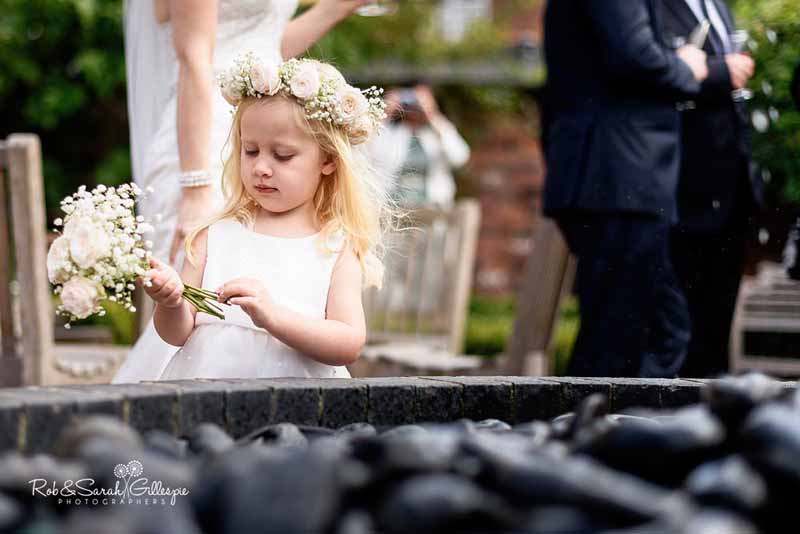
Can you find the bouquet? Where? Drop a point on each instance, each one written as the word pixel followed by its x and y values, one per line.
pixel 101 252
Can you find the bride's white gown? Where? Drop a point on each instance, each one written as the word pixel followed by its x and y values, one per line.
pixel 243 25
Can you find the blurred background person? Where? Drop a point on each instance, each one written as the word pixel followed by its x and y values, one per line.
pixel 613 160
pixel 419 149
pixel 717 193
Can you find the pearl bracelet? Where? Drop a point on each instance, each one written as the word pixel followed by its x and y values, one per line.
pixel 194 178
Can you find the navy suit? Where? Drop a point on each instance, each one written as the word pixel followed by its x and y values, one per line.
pixel 613 157
pixel 716 196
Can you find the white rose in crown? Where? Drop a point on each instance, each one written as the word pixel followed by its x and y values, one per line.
pixel 265 78
pixel 330 72
pixel 360 130
pixel 305 81
pixel 80 297
pixel 231 93
pixel 319 87
pixel 352 103
pixel 58 260
pixel 88 242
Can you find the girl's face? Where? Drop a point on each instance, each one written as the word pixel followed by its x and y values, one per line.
pixel 282 165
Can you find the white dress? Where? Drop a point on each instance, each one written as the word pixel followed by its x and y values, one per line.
pixel 297 274
pixel 242 25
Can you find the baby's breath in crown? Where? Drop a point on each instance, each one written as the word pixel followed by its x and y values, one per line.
pixel 319 87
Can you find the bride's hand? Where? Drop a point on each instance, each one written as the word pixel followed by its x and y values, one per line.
pixel 251 296
pixel 195 206
pixel 342 7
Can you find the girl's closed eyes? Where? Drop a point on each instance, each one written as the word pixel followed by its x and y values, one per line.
pixel 280 156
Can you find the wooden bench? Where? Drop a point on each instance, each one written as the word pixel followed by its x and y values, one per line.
pixel 547 280
pixel 29 354
pixel 765 334
pixel 418 318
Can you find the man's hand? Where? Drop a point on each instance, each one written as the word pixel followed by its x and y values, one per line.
pixel 695 59
pixel 741 67
pixel 196 205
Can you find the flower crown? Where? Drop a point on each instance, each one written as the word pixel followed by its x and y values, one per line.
pixel 318 87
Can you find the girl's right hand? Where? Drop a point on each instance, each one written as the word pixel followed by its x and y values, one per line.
pixel 166 287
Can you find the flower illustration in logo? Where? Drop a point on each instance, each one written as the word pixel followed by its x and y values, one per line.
pixel 133 469
pixel 127 472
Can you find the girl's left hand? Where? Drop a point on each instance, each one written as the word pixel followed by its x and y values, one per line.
pixel 251 296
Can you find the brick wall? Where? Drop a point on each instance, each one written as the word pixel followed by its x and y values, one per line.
pixel 526 20
pixel 506 174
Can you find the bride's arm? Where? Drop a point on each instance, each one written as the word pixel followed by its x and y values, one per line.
pixel 308 28
pixel 193 32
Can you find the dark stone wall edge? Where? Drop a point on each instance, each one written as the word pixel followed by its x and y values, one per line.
pixel 32 418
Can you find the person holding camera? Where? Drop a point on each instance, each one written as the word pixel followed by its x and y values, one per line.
pixel 419 149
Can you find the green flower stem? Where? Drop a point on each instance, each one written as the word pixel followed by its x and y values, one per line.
pixel 203 300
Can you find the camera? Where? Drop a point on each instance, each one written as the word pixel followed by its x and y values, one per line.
pixel 408 101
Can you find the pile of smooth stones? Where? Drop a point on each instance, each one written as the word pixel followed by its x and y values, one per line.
pixel 728 465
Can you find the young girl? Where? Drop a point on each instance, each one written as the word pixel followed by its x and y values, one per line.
pixel 297 238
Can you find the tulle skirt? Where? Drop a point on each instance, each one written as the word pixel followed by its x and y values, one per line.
pixel 219 350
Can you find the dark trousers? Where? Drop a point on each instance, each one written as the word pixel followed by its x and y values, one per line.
pixel 634 319
pixel 709 268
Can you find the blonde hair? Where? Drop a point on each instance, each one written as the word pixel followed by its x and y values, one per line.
pixel 350 200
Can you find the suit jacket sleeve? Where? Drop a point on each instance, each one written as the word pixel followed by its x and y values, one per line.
pixel 796 87
pixel 633 52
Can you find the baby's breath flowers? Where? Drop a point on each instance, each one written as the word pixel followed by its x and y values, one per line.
pixel 318 87
pixel 101 252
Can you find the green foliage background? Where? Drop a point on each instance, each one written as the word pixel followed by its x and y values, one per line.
pixel 774 26
pixel 62 76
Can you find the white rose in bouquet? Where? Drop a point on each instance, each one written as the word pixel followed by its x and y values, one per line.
pixel 102 253
pixel 88 243
pixel 80 297
pixel 58 260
